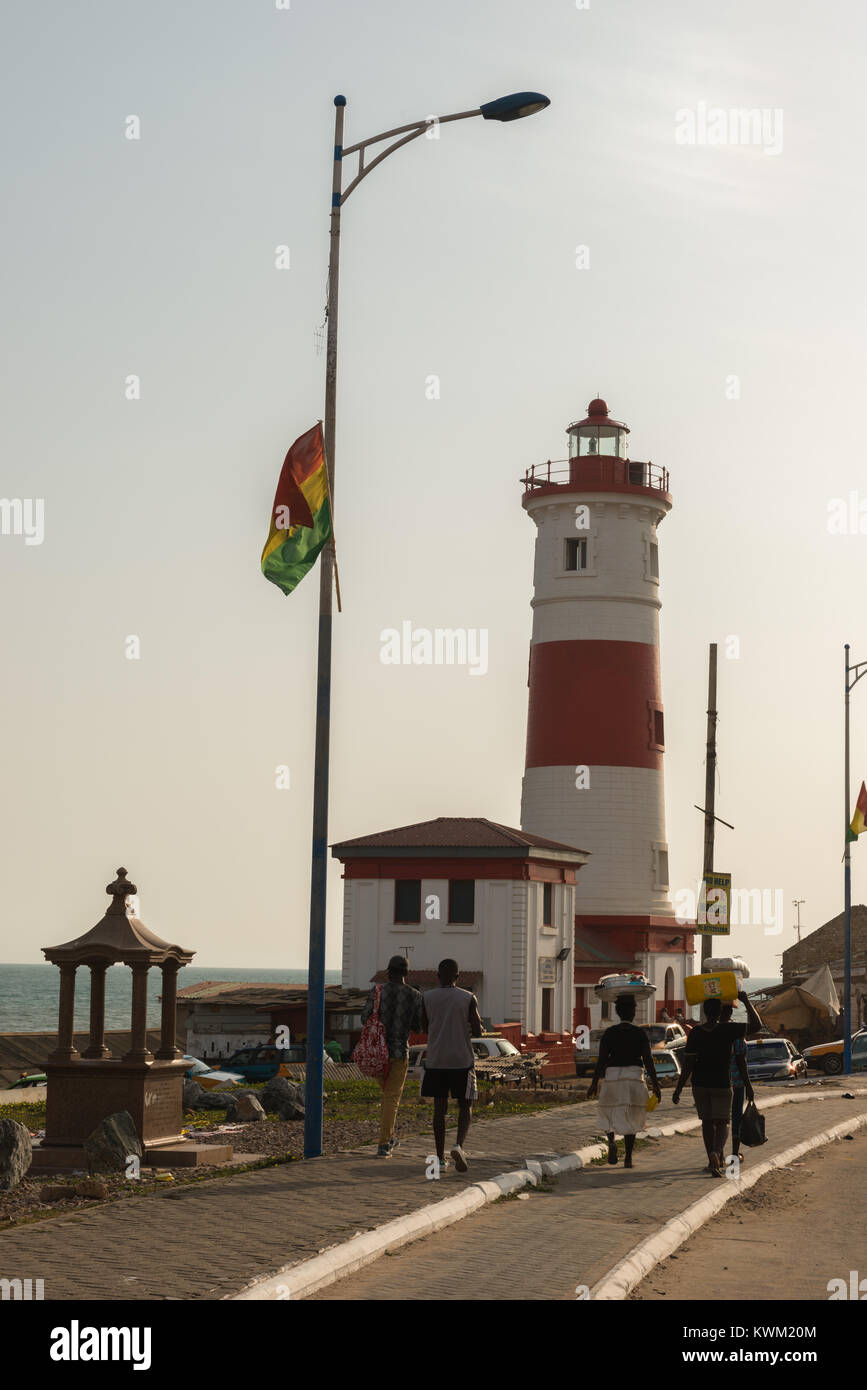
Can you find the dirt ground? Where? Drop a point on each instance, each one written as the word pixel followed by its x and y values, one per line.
pixel 786 1238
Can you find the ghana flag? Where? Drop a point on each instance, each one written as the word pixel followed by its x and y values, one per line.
pixel 301 515
pixel 859 820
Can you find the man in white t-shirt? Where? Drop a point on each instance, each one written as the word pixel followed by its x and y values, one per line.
pixel 451 1020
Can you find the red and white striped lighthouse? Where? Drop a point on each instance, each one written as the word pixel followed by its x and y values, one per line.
pixel 595 730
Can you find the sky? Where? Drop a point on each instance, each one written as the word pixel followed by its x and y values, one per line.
pixel 626 242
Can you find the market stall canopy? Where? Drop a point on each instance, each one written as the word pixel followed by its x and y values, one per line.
pixel 796 1008
pixel 821 984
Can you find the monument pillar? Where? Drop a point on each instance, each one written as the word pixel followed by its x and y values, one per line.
pixel 167 1049
pixel 139 1050
pixel 96 1046
pixel 65 1050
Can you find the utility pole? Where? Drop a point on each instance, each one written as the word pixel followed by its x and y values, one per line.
pixel 796 904
pixel 709 785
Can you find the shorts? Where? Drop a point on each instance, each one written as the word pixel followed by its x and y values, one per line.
pixel 713 1102
pixel 440 1082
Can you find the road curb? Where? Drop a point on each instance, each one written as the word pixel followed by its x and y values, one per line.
pixel 309 1276
pixel 629 1272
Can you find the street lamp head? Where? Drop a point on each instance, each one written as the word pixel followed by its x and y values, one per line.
pixel 514 107
pixel 340 101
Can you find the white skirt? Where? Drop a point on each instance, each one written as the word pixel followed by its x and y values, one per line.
pixel 622 1100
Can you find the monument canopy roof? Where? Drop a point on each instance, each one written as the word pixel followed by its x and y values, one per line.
pixel 118 937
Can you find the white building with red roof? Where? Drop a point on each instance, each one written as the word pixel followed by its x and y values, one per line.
pixel 499 901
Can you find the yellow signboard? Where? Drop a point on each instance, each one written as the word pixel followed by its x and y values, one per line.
pixel 714 909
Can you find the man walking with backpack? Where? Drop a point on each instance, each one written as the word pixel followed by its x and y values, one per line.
pixel 451 1020
pixel 399 1008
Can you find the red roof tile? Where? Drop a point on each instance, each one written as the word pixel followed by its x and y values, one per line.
pixel 453 832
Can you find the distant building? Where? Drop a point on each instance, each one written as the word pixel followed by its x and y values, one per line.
pixel 826 945
pixel 215 1018
pixel 500 901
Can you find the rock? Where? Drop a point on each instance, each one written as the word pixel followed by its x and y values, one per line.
pixel 284 1097
pixel 244 1108
pixel 193 1092
pixel 197 1098
pixel 212 1100
pixel 112 1143
pixel 92 1188
pixel 16 1152
pixel 56 1192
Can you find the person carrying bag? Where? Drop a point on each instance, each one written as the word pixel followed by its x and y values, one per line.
pixel 371 1050
pixel 753 1127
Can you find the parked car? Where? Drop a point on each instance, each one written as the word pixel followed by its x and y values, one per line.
pixel 669 1035
pixel 493 1048
pixel 264 1061
pixel 666 1062
pixel 774 1059
pixel 210 1078
pixel 587 1057
pixel 828 1056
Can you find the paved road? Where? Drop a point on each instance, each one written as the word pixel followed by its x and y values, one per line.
pixel 210 1240
pixel 754 1250
pixel 214 1238
pixel 545 1247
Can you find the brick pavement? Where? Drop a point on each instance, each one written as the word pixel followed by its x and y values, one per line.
pixel 209 1240
pixel 571 1234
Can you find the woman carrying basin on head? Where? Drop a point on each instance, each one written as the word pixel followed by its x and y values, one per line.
pixel 624 1057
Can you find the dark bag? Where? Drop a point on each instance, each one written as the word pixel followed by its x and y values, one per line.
pixel 753 1127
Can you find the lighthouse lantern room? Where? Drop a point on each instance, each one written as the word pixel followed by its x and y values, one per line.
pixel 595 729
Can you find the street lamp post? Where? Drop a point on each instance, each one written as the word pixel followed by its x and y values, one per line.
pixel 856 672
pixel 508 108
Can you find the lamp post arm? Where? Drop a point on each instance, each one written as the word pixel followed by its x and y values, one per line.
pixel 415 129
pixel 859 669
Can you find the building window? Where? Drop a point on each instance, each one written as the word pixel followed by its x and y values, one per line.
pixel 576 553
pixel 660 865
pixel 547 1009
pixel 462 900
pixel 407 900
pixel 655 728
pixel 654 560
pixel 547 896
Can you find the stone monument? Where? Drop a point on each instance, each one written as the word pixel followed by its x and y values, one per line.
pixel 84 1088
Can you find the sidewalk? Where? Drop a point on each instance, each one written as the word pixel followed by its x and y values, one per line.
pixel 206 1241
pixel 570 1235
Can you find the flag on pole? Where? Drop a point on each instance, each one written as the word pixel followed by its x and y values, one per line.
pixel 301 514
pixel 859 820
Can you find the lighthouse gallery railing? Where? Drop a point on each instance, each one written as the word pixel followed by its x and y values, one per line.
pixel 595 471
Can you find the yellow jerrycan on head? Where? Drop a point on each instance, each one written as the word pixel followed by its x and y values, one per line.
pixel 719 984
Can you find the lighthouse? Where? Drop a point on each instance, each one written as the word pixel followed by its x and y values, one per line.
pixel 596 726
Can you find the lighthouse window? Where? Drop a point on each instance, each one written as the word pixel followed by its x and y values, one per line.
pixel 662 867
pixel 407 900
pixel 462 900
pixel 658 728
pixel 654 560
pixel 576 553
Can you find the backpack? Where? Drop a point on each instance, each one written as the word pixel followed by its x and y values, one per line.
pixel 371 1050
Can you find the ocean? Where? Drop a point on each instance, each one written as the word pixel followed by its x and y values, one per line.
pixel 29 993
